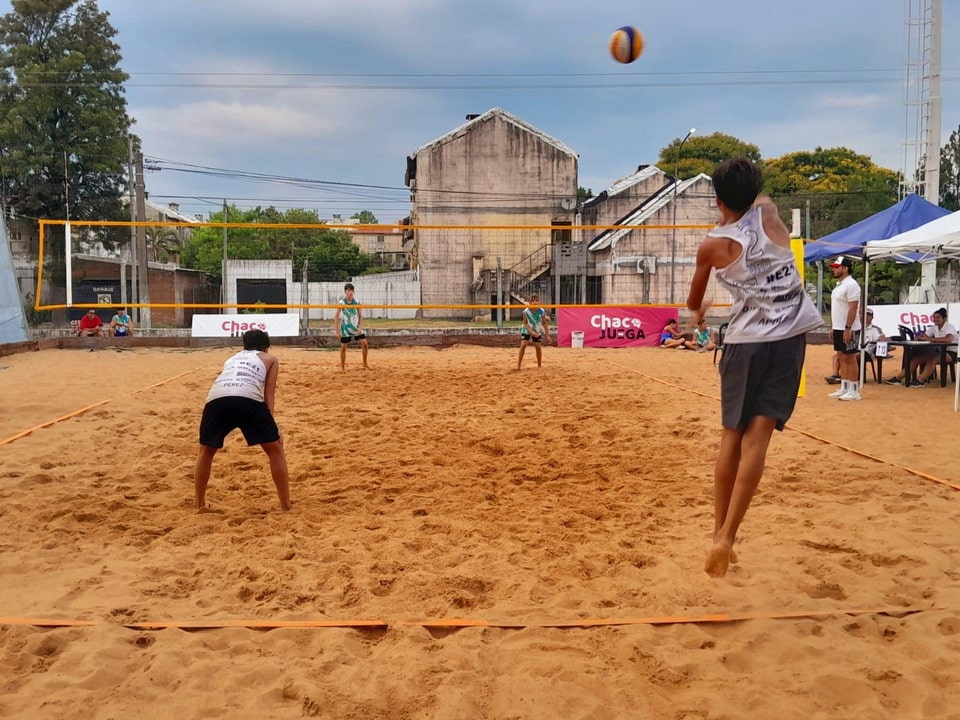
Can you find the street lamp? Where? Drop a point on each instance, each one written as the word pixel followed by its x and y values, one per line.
pixel 673 241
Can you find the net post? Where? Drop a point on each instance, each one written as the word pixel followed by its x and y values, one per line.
pixel 68 253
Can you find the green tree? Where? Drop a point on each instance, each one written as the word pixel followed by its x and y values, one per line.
pixel 950 172
pixel 204 249
pixel 63 116
pixel 330 254
pixel 163 244
pixel 842 186
pixel 583 194
pixel 365 217
pixel 702 154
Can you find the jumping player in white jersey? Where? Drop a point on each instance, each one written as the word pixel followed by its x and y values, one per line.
pixel 242 397
pixel 764 345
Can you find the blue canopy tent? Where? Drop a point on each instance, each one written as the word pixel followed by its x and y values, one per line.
pixel 911 212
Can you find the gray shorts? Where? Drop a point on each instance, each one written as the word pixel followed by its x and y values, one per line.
pixel 760 379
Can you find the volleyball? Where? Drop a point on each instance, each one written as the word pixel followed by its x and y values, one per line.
pixel 626 44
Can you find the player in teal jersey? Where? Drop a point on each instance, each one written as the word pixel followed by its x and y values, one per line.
pixel 535 329
pixel 348 321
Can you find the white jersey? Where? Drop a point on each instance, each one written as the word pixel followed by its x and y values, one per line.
pixel 844 294
pixel 243 375
pixel 768 299
pixel 932 331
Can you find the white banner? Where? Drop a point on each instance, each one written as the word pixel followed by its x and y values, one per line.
pixel 275 325
pixel 889 317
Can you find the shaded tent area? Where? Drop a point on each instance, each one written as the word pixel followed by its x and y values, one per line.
pixel 908 214
pixel 937 240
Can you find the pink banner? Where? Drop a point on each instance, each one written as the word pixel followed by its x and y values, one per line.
pixel 613 326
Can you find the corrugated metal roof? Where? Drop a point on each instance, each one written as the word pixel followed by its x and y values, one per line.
pixel 501 113
pixel 647 209
pixel 172 214
pixel 640 175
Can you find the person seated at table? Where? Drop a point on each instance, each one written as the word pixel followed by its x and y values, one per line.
pixel 871 334
pixel 925 363
pixel 91 325
pixel 671 337
pixel 704 338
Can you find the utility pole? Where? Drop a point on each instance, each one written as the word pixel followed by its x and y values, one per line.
pixel 673 237
pixel 141 243
pixel 931 184
pixel 131 201
pixel 223 263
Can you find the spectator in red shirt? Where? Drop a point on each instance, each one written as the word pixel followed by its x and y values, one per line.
pixel 91 325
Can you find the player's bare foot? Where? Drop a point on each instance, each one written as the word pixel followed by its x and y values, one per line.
pixel 206 509
pixel 718 560
pixel 733 553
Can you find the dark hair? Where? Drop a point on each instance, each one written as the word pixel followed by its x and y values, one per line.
pixel 256 340
pixel 737 182
pixel 348 286
pixel 942 312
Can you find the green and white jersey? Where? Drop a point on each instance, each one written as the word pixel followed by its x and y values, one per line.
pixel 349 317
pixel 534 319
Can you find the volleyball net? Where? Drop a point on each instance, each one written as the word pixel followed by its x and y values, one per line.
pixel 399 271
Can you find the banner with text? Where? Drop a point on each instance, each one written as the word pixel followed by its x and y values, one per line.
pixel 275 325
pixel 613 326
pixel 916 316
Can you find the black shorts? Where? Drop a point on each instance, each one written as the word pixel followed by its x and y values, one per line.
pixel 344 339
pixel 224 414
pixel 847 348
pixel 528 338
pixel 760 379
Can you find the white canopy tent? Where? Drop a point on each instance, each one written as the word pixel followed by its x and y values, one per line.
pixel 937 240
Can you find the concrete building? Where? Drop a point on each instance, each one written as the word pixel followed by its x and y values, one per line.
pixel 495 171
pixel 628 264
pixel 384 242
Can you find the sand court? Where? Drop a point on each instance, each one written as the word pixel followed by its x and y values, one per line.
pixel 440 487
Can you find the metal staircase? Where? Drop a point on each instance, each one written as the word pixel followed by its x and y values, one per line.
pixel 531 275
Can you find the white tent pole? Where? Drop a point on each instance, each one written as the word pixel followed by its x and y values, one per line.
pixel 956 390
pixel 69 262
pixel 862 312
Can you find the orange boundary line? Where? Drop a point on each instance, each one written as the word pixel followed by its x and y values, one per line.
pixel 918 473
pixel 52 422
pixel 861 453
pixel 458 623
pixel 82 410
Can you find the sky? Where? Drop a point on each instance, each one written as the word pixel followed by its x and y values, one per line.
pixel 337 93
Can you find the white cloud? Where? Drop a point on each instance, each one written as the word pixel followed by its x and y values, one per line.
pixel 857 102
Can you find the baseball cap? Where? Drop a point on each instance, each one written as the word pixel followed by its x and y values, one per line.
pixel 843 261
pixel 869 311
